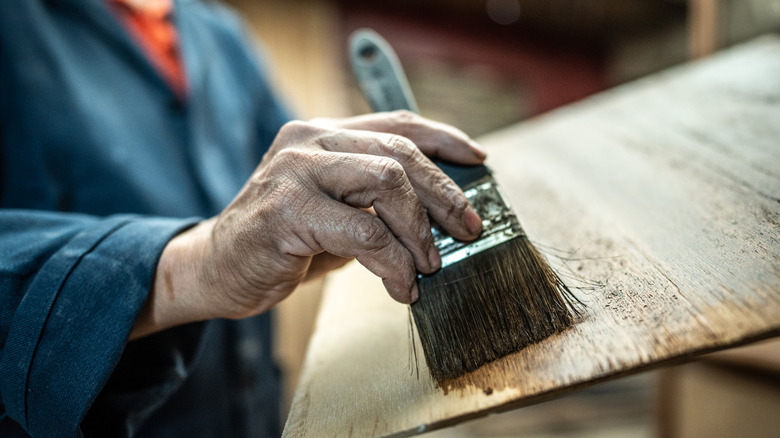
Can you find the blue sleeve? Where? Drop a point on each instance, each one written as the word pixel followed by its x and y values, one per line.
pixel 250 62
pixel 71 287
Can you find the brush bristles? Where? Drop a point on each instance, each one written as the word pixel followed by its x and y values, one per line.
pixel 487 306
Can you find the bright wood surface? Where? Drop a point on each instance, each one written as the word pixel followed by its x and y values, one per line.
pixel 659 200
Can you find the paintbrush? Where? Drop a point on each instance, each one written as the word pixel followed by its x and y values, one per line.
pixel 493 296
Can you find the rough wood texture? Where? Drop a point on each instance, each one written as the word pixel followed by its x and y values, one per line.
pixel 662 201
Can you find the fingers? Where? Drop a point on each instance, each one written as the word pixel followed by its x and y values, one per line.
pixel 444 200
pixel 344 231
pixel 341 174
pixel 434 139
pixel 365 181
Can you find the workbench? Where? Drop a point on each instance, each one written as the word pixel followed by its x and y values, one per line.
pixel 658 202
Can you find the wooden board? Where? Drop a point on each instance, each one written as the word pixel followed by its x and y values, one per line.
pixel 658 200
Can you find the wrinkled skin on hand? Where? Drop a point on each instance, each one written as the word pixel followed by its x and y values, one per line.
pixel 327 191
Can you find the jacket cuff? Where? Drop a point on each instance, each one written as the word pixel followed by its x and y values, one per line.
pixel 71 327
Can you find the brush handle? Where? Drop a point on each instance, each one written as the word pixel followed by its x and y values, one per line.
pixel 384 85
pixel 379 73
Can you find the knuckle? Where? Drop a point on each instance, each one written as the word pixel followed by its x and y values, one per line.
pixel 371 233
pixel 404 117
pixel 390 175
pixel 291 128
pixel 401 148
pixel 291 164
pixel 290 155
pixel 300 162
pixel 295 126
pixel 297 129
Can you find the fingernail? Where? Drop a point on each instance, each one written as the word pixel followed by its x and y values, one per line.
pixel 472 220
pixel 415 292
pixel 434 259
pixel 478 150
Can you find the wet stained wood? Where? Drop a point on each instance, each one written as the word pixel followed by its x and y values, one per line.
pixel 659 201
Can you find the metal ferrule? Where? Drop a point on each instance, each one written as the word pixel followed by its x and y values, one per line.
pixel 499 223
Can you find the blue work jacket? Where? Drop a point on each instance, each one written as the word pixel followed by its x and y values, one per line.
pixel 101 163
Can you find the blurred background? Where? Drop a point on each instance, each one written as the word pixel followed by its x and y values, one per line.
pixel 485 64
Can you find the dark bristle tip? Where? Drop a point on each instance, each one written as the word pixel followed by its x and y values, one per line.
pixel 487 306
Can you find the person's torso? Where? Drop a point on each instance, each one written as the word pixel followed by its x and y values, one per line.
pixel 89 125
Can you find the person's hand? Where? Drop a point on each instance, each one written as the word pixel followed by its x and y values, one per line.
pixel 326 191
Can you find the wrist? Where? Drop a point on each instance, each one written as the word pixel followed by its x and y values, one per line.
pixel 177 295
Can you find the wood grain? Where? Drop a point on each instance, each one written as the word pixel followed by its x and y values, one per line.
pixel 659 201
